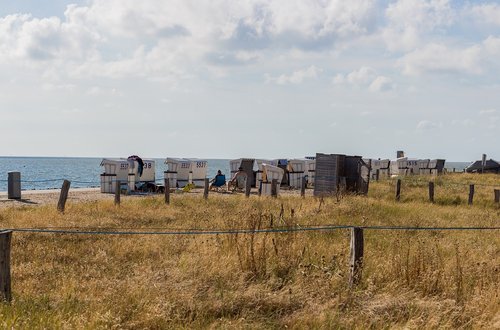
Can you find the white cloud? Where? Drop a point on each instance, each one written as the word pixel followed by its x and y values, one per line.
pixel 365 77
pixel 488 112
pixel 487 13
pixel 440 58
pixel 409 21
pixel 296 77
pixel 491 46
pixel 467 122
pixel 176 38
pixel 381 84
pixel 338 79
pixel 209 58
pixel 426 125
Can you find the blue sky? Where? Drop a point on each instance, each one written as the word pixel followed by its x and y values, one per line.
pixel 250 78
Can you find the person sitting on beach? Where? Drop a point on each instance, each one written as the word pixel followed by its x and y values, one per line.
pixel 239 180
pixel 218 181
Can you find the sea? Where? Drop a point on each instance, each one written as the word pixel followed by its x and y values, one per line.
pixel 49 172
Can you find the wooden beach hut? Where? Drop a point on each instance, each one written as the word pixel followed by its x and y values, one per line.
pixel 132 173
pixel 183 171
pixel 335 172
pixel 490 166
pixel 248 167
pixel 270 173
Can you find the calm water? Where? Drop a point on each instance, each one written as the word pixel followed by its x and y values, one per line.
pixel 49 172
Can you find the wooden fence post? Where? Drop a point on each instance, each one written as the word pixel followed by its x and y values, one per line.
pixel 343 185
pixel 274 188
pixel 471 194
pixel 377 175
pixel 14 185
pixel 118 191
pixel 356 261
pixel 398 190
pixel 497 195
pixel 431 192
pixel 167 191
pixel 303 187
pixel 248 188
pixel 207 185
pixel 5 287
pixel 63 196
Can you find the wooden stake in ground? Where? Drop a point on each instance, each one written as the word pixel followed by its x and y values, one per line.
pixel 118 191
pixel 63 196
pixel 207 185
pixel 497 195
pixel 274 188
pixel 471 194
pixel 377 175
pixel 356 261
pixel 303 187
pixel 167 191
pixel 5 287
pixel 14 185
pixel 431 192
pixel 398 190
pixel 248 188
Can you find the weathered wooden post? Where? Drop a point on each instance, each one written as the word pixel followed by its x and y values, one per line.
pixel 5 287
pixel 356 261
pixel 14 185
pixel 497 195
pixel 248 188
pixel 167 191
pixel 303 187
pixel 207 185
pixel 471 194
pixel 63 196
pixel 377 174
pixel 118 191
pixel 343 185
pixel 274 188
pixel 431 192
pixel 398 190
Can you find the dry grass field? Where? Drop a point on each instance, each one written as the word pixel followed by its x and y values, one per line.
pixel 411 279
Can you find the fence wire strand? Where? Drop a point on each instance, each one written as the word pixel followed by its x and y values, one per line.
pixel 147 231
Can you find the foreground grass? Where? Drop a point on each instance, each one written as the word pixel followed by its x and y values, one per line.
pixel 429 279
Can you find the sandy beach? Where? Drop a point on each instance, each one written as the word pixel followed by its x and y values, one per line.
pixel 78 195
pixel 51 196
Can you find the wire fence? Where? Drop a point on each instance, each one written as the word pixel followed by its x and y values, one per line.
pixel 211 232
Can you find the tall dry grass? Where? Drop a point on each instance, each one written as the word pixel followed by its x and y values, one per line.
pixel 427 279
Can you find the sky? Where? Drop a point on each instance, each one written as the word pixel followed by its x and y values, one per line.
pixel 250 78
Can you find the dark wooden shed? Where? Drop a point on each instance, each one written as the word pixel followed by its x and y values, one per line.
pixel 336 170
